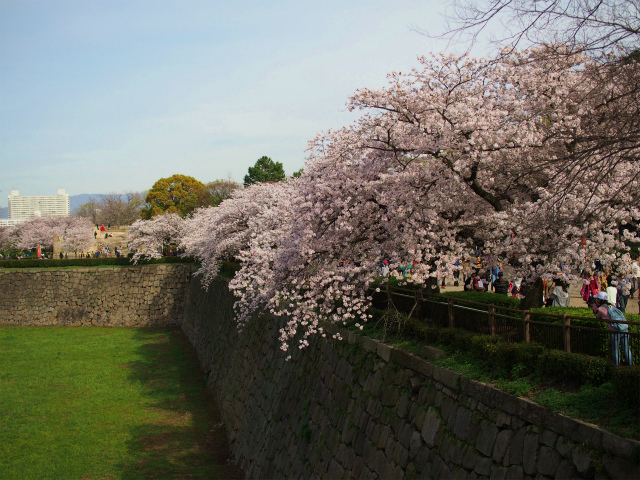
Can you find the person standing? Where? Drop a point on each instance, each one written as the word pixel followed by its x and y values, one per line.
pixel 619 339
pixel 501 285
pixel 635 277
pixel 560 295
pixel 624 292
pixel 612 290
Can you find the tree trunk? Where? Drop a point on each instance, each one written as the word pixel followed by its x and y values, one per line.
pixel 533 294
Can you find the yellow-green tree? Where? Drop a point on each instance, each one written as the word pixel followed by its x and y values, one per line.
pixel 179 194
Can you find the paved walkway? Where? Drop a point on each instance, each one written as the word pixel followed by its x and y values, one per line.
pixel 574 292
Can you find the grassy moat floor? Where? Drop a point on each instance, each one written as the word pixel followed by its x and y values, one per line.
pixel 106 403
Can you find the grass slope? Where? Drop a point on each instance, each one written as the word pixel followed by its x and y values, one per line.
pixel 106 403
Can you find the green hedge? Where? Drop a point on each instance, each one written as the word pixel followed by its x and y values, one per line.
pixel 563 366
pixel 587 342
pixel 88 262
pixel 626 382
pixel 496 299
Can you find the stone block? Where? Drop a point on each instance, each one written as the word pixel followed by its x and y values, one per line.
pixel 457 452
pixel 422 459
pixel 621 447
pixel 432 429
pixel 516 447
pixel 582 461
pixel 461 424
pixel 431 353
pixel 385 432
pixel 403 405
pixel 566 470
pixel 547 437
pixel 486 438
pixel 415 444
pixel 564 447
pixel 406 435
pixel 384 351
pixel 498 472
pixel 445 448
pixel 469 458
pixel 368 344
pixel 441 470
pixel 483 466
pixel 503 441
pixel 447 377
pixel 622 469
pixel 418 419
pixel 515 472
pixel 530 453
pixel 580 432
pixel 548 461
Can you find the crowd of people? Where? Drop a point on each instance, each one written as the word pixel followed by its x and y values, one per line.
pixel 618 287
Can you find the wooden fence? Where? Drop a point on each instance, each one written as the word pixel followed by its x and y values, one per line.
pixel 570 333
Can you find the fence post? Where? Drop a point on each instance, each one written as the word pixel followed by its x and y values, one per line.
pixel 526 317
pixel 566 330
pixel 418 305
pixel 452 320
pixel 492 320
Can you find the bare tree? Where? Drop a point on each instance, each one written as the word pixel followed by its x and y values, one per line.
pixel 90 210
pixel 221 189
pixel 112 208
pixel 589 26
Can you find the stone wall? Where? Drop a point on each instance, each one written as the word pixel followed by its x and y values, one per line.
pixel 360 409
pixel 340 409
pixel 151 295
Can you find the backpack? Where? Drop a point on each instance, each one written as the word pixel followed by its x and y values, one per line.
pixel 617 316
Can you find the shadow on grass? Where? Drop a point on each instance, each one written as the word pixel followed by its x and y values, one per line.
pixel 182 436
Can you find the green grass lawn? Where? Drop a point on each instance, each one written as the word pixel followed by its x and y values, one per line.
pixel 99 403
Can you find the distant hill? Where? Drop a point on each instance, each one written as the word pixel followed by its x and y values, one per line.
pixel 4 212
pixel 76 200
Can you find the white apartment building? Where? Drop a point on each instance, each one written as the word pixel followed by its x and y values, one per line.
pixel 23 208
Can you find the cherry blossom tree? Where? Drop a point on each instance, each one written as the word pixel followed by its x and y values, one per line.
pixel 7 241
pixel 41 230
pixel 219 233
pixel 504 153
pixel 148 237
pixel 77 236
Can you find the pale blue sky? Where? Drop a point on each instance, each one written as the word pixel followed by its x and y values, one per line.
pixel 110 96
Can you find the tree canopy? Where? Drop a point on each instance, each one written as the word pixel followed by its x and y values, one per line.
pixel 179 194
pixel 265 170
pixel 498 152
pixel 220 190
pixel 531 155
pixel 112 208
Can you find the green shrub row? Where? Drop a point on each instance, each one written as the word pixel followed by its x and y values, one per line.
pixel 88 262
pixel 574 311
pixel 535 358
pixel 626 384
pixel 496 299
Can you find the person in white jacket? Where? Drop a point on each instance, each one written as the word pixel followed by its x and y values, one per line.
pixel 612 291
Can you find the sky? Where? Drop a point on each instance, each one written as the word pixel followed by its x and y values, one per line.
pixel 110 96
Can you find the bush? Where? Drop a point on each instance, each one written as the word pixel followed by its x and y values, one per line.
pixel 571 367
pixel 626 384
pixel 587 342
pixel 87 262
pixel 496 299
